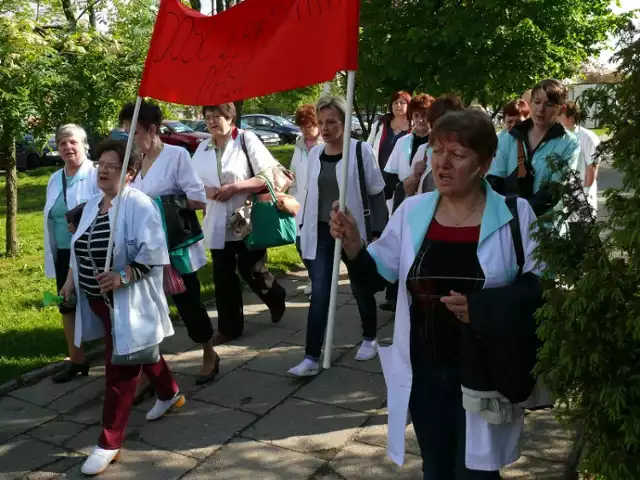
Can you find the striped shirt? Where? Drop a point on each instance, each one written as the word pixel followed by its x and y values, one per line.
pixel 98 248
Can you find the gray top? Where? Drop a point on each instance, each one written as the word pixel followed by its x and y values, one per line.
pixel 328 190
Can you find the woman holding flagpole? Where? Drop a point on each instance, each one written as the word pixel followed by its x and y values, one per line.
pixel 166 172
pixel 364 184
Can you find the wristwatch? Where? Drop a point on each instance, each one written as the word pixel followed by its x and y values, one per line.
pixel 124 277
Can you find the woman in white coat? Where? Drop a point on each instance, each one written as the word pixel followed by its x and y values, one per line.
pixel 323 188
pixel 464 280
pixel 228 165
pixel 126 305
pixel 166 170
pixel 308 123
pixel 67 188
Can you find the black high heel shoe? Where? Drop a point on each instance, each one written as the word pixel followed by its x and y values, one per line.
pixel 71 371
pixel 202 379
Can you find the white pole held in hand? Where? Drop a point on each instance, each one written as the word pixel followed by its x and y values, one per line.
pixel 328 343
pixel 123 176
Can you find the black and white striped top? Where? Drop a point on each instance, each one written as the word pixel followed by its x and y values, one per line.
pixel 98 248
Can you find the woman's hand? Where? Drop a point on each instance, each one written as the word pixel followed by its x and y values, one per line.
pixel 343 226
pixel 225 192
pixel 68 290
pixel 109 281
pixel 419 168
pixel 457 303
pixel 211 192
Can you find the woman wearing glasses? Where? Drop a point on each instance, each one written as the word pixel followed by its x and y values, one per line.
pixel 456 262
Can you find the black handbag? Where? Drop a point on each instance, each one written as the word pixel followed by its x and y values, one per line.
pixel 181 222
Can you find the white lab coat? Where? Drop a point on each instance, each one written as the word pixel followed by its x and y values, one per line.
pixel 172 173
pixel 140 315
pixel 420 155
pixel 235 168
pixel 83 187
pixel 374 185
pixel 375 136
pixel 589 142
pixel 299 167
pixel 488 447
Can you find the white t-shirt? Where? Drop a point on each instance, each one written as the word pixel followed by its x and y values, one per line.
pixel 589 142
pixel 172 173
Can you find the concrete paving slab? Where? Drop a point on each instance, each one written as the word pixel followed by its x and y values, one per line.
pixel 346 388
pixel 281 358
pixel 344 336
pixel 22 455
pixel 307 427
pixel 45 391
pixel 358 461
pixel 56 470
pixel 247 390
pixel 187 385
pixel 56 431
pixel 348 360
pixel 260 337
pixel 244 459
pixel 143 462
pixel 78 396
pixel 18 416
pixel 374 432
pixel 295 316
pixel 534 468
pixel 544 437
pixel 84 441
pixel 179 342
pixel 385 333
pixel 198 429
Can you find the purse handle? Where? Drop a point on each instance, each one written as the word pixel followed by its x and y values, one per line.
pixel 269 187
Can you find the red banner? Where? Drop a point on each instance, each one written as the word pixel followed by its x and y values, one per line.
pixel 256 48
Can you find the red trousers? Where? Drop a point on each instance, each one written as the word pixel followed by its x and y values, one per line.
pixel 121 383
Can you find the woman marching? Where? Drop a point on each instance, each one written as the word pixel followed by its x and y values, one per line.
pixel 308 123
pixel 468 290
pixel 125 305
pixel 166 173
pixel 364 195
pixel 67 188
pixel 228 166
pixel 390 128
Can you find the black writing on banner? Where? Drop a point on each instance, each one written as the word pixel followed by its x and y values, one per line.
pixel 215 54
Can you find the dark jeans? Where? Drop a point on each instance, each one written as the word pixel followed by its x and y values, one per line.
pixel 192 311
pixel 391 294
pixel 320 271
pixel 252 269
pixel 439 421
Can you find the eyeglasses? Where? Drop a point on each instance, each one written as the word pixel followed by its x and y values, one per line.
pixel 107 167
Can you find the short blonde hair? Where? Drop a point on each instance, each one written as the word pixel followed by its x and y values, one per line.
pixel 72 130
pixel 336 103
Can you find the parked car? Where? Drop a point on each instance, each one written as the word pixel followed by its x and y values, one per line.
pixel 177 133
pixel 27 156
pixel 356 127
pixel 288 132
pixel 270 139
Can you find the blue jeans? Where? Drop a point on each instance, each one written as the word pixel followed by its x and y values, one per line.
pixel 440 425
pixel 320 271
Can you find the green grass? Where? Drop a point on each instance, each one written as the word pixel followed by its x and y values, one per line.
pixel 600 131
pixel 31 335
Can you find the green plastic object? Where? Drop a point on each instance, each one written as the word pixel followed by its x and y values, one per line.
pixel 52 300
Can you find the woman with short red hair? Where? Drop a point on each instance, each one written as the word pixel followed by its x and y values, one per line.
pixel 306 120
pixel 392 126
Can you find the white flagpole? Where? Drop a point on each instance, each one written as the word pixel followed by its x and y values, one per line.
pixel 328 343
pixel 123 176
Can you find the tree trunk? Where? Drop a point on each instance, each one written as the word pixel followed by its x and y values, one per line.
pixel 69 13
pixel 92 14
pixel 12 198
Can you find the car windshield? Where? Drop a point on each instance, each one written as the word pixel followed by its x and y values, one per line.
pixel 283 122
pixel 244 125
pixel 179 127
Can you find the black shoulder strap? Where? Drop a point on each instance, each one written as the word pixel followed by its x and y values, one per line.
pixel 243 142
pixel 64 186
pixel 514 224
pixel 366 207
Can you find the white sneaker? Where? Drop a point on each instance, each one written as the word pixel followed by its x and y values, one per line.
pixel 99 460
pixel 306 368
pixel 162 407
pixel 368 350
pixel 307 288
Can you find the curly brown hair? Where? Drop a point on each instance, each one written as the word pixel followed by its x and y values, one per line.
pixel 420 102
pixel 306 115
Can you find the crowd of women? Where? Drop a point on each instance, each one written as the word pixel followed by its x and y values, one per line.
pixel 439 213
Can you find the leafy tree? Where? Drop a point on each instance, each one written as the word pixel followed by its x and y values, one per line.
pixel 283 103
pixel 590 322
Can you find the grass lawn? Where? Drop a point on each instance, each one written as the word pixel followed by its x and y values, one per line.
pixel 31 335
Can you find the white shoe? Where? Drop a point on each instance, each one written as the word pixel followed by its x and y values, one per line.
pixel 306 368
pixel 368 350
pixel 307 288
pixel 99 460
pixel 162 407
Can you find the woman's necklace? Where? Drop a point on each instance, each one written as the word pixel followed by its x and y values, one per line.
pixel 459 224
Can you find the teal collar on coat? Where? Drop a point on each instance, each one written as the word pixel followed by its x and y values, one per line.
pixel 496 214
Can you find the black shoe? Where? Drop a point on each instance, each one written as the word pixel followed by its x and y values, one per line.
pixel 71 371
pixel 202 379
pixel 388 306
pixel 278 313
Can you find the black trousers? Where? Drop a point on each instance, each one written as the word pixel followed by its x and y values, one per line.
pixel 251 265
pixel 192 311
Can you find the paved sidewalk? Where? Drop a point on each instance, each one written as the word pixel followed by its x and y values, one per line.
pixel 253 422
